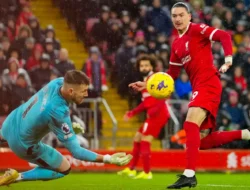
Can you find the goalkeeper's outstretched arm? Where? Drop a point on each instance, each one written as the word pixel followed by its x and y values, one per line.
pixel 83 154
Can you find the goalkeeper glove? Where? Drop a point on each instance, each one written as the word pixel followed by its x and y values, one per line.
pixel 119 159
pixel 77 128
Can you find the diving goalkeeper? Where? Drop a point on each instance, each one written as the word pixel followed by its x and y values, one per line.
pixel 48 110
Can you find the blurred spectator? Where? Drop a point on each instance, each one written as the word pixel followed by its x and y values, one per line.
pixel 158 20
pixel 198 6
pixel 161 39
pixel 218 53
pixel 247 68
pixel 183 86
pixel 114 17
pixel 164 55
pixel 217 23
pixel 133 28
pixel 142 17
pixel 2 32
pixel 228 20
pixel 246 110
pixel 28 48
pixel 49 49
pixel 24 32
pixel 4 100
pixel 123 55
pixel 10 74
pixel 240 57
pixel 3 61
pixel 40 75
pixel 99 32
pixel 24 16
pixel 225 83
pixel 114 38
pixel 95 69
pixel 239 80
pixel 6 45
pixel 35 28
pixel 234 108
pixel 20 92
pixel 208 15
pixel 125 18
pixel 218 8
pixel 247 18
pixel 11 28
pixel 16 53
pixel 50 33
pixel 159 65
pixel 225 121
pixel 240 29
pixel 140 38
pixel 246 41
pixel 239 10
pixel 63 64
pixel 152 46
pixel 34 59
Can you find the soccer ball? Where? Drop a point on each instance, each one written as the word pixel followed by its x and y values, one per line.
pixel 160 85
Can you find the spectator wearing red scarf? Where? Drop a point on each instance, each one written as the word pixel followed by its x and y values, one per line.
pixel 96 71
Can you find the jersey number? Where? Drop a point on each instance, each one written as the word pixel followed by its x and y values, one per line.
pixel 30 106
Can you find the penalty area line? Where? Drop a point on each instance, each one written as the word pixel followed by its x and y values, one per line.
pixel 230 186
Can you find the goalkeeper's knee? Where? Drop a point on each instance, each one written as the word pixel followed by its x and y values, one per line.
pixel 66 172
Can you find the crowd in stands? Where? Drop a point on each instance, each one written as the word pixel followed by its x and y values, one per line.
pixel 117 33
pixel 124 30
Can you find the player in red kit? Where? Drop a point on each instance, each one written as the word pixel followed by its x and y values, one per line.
pixel 192 50
pixel 157 117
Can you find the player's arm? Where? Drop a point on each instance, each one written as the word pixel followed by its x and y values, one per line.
pixel 60 124
pixel 221 36
pixel 175 65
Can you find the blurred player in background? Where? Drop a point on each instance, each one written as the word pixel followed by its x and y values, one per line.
pixel 157 117
pixel 48 110
pixel 192 50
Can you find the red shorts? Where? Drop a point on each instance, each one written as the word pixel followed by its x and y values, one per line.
pixel 208 96
pixel 153 126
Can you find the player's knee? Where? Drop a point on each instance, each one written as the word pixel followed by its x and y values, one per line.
pixel 66 172
pixel 196 115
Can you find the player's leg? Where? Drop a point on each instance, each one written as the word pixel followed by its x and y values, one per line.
pixel 146 141
pixel 51 165
pixel 130 171
pixel 218 138
pixel 195 118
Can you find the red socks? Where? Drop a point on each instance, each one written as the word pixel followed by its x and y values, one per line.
pixel 146 153
pixel 219 138
pixel 136 155
pixel 192 144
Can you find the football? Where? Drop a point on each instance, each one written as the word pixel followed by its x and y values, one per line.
pixel 160 85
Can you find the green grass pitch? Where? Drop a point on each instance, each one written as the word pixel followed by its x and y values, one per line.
pixel 110 181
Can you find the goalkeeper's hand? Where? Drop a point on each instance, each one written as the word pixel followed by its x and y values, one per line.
pixel 77 128
pixel 119 159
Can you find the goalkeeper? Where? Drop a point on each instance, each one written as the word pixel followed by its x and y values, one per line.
pixel 48 110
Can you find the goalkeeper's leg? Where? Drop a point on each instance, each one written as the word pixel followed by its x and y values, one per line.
pixel 51 165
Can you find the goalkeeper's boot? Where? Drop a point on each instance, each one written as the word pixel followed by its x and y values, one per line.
pixel 183 181
pixel 144 175
pixel 9 177
pixel 127 172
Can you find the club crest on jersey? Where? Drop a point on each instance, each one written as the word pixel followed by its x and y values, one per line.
pixel 161 85
pixel 65 128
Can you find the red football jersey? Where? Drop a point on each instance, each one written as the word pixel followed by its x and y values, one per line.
pixel 192 50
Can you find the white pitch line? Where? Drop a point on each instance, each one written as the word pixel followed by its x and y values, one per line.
pixel 216 185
